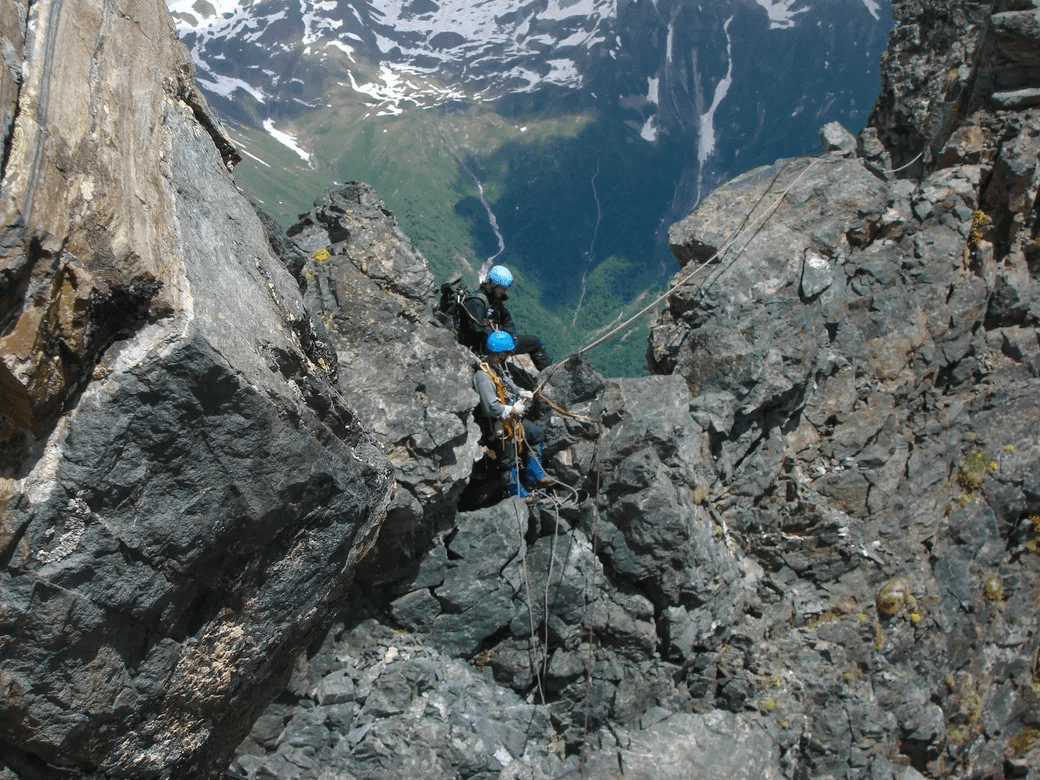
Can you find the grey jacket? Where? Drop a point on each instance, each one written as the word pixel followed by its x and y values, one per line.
pixel 485 386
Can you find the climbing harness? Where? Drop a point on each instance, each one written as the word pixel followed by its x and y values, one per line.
pixel 512 429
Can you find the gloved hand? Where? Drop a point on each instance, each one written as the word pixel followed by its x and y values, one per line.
pixel 527 395
pixel 517 409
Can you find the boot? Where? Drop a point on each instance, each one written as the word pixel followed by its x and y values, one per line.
pixel 535 472
pixel 514 486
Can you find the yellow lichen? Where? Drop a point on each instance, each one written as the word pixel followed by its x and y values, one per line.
pixel 1024 740
pixel 879 637
pixel 1033 544
pixel 852 674
pixel 979 220
pixel 321 255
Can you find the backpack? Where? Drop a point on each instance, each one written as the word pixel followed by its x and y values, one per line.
pixel 451 310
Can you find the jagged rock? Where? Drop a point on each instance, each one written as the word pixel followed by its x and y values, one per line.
pixel 184 492
pixel 1011 193
pixel 718 744
pixel 411 711
pixel 835 138
pixel 1017 36
pixel 864 385
pixel 404 374
pixel 932 75
pixel 848 397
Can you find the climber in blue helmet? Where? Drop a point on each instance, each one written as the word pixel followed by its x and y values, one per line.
pixel 517 443
pixel 488 313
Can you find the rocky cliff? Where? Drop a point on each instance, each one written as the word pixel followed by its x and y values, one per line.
pixel 183 489
pixel 805 547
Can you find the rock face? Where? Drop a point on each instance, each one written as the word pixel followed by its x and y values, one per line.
pixel 183 489
pixel 808 546
pixel 406 376
pixel 865 351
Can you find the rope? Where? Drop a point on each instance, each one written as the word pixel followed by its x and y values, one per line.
pixel 568 413
pixel 536 667
pixel 591 658
pixel 688 276
pixel 903 167
pixel 540 645
pixel 548 585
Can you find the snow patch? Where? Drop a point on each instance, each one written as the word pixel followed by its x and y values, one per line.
pixel 348 50
pixel 649 130
pixel 652 94
pixel 392 88
pixel 226 86
pixel 874 7
pixel 187 7
pixel 706 139
pixel 254 157
pixel 285 139
pixel 563 72
pixel 781 13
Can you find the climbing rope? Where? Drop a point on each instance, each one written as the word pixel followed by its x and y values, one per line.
pixel 536 664
pixel 760 220
pixel 590 660
pixel 545 595
pixel 904 167
pixel 567 412
pixel 540 644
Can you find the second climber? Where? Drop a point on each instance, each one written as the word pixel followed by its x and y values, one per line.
pixel 487 313
pixel 517 444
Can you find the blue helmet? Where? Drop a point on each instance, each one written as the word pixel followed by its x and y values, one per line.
pixel 500 341
pixel 500 276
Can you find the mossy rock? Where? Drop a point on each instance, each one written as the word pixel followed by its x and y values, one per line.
pixel 892 596
pixel 993 587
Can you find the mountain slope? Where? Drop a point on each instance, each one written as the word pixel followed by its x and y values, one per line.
pixel 555 137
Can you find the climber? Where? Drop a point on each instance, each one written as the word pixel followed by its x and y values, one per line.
pixel 502 405
pixel 488 314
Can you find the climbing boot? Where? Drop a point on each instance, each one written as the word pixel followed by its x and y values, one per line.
pixel 535 472
pixel 514 486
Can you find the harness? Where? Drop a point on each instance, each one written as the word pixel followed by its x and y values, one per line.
pixel 485 306
pixel 512 428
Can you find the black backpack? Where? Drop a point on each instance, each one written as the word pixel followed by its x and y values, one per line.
pixel 452 312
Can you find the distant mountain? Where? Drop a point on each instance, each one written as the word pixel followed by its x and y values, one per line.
pixel 561 138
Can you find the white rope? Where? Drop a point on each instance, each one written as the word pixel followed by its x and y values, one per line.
pixel 536 666
pixel 903 167
pixel 591 659
pixel 687 276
